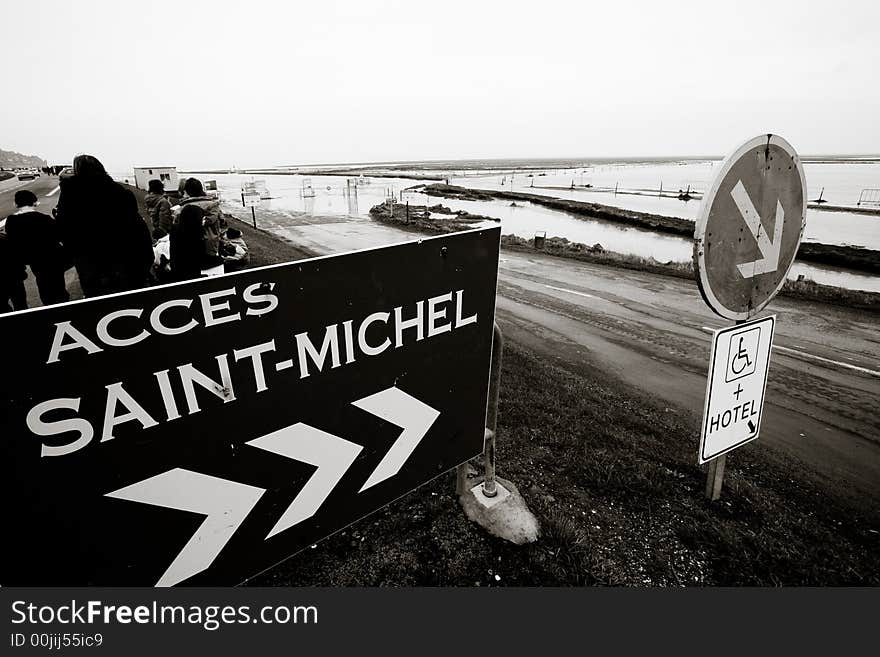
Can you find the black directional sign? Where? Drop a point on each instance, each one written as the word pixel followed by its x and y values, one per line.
pixel 750 226
pixel 199 433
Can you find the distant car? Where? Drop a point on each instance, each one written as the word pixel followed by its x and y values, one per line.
pixel 66 172
pixel 26 175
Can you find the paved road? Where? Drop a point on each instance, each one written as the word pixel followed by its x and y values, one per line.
pixel 46 189
pixel 653 332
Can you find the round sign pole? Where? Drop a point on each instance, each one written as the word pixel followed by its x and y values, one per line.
pixel 746 238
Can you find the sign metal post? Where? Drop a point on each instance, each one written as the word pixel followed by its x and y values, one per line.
pixel 747 235
pixel 251 200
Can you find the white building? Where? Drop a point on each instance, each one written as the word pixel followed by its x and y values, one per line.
pixel 168 176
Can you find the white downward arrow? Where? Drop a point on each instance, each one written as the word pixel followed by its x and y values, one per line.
pixel 224 503
pixel 407 412
pixel 769 248
pixel 332 456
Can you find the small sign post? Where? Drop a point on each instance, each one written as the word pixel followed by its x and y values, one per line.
pixel 251 200
pixel 746 238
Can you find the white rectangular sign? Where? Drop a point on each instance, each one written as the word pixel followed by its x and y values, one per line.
pixel 251 200
pixel 738 366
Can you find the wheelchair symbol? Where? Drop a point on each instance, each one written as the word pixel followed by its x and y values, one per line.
pixel 740 360
pixel 742 354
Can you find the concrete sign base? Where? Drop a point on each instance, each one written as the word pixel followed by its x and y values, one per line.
pixel 506 515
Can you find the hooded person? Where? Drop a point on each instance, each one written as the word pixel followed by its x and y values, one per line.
pixel 214 223
pixel 103 231
pixel 35 239
pixel 159 209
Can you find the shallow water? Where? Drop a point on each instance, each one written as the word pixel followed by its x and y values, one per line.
pixel 355 200
pixel 841 228
pixel 526 219
pixel 331 195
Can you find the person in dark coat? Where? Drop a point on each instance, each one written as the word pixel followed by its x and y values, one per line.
pixel 188 257
pixel 34 237
pixel 103 231
pixel 159 209
pixel 214 223
pixel 12 275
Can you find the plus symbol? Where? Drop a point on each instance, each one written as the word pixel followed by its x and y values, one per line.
pixel 738 392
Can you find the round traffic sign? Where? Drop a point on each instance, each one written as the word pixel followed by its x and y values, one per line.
pixel 750 226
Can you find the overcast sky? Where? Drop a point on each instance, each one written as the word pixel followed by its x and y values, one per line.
pixel 216 84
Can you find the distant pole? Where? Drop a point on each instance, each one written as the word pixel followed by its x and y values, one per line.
pixel 660 195
pixel 615 188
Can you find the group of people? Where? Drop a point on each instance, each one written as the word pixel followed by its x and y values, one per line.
pixel 98 229
pixel 192 236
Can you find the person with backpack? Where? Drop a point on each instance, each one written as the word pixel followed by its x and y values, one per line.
pixel 34 238
pixel 214 223
pixel 159 209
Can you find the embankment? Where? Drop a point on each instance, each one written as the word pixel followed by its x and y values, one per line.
pixel 440 219
pixel 807 290
pixel 848 257
pixel 655 222
pixel 426 219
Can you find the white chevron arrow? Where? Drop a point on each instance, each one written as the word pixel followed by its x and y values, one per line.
pixel 331 455
pixel 407 412
pixel 224 503
pixel 769 261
